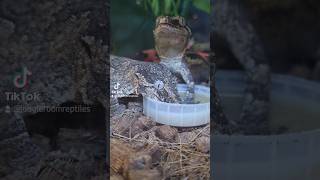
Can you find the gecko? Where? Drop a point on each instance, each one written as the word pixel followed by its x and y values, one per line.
pixel 172 35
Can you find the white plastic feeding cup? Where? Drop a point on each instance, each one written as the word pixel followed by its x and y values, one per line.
pixel 180 115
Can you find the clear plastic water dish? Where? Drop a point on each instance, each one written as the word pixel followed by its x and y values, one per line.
pixel 180 115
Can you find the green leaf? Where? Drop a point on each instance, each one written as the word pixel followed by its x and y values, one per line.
pixel 167 7
pixel 155 7
pixel 203 5
pixel 175 5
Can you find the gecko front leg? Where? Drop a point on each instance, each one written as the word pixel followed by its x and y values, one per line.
pixel 179 66
pixel 187 77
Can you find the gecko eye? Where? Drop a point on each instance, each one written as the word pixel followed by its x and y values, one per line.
pixel 159 85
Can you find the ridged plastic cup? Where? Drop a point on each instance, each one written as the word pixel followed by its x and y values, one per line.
pixel 290 156
pixel 179 115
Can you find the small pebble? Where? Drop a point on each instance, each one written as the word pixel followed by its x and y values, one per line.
pixel 203 144
pixel 167 133
pixel 140 161
pixel 143 123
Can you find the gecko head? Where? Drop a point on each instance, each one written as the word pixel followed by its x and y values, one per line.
pixel 160 84
pixel 171 36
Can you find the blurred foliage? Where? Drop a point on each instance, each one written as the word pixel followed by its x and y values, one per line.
pixel 203 5
pixel 269 4
pixel 131 28
pixel 173 7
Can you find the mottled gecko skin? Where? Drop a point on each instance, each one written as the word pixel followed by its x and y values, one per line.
pixel 171 36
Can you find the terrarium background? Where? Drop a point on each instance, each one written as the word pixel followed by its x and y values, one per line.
pixel 132 25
